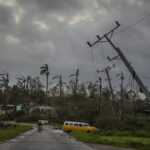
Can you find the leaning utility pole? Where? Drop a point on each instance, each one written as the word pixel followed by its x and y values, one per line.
pixel 121 85
pixel 117 49
pixel 110 86
pixel 100 93
pixel 108 77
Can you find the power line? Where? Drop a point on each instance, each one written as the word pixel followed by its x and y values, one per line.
pixel 148 78
pixel 130 26
pixel 93 63
pixel 102 52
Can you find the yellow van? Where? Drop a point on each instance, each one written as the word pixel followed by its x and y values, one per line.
pixel 78 126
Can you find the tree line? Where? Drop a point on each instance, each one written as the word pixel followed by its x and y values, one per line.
pixel 76 101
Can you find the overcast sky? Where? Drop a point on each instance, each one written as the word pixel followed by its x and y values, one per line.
pixel 55 32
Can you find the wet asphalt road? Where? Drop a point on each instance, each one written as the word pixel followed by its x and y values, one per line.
pixel 48 139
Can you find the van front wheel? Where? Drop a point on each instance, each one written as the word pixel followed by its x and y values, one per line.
pixel 88 131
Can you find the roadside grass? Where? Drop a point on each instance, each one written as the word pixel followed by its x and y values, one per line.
pixel 11 132
pixel 137 139
pixel 128 141
pixel 133 133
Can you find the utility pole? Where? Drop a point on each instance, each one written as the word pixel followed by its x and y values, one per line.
pixel 110 86
pixel 60 85
pixel 122 91
pixel 108 37
pixel 76 83
pixel 106 70
pixel 100 93
pixel 121 85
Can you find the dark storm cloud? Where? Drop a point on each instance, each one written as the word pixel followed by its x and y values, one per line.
pixel 5 19
pixel 52 4
pixel 5 15
pixel 64 6
pixel 55 32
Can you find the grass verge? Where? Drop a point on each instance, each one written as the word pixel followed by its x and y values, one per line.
pixel 140 143
pixel 11 132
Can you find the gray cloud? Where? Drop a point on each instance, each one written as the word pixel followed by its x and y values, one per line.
pixel 52 4
pixel 55 32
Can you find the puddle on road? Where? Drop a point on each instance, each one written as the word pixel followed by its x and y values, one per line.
pixel 58 131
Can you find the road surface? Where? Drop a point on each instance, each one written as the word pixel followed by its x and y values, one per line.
pixel 48 139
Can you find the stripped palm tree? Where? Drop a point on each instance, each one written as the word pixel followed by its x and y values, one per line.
pixel 44 70
pixel 21 82
pixel 76 75
pixel 60 83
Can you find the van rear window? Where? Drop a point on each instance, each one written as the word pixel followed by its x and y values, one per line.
pixel 66 124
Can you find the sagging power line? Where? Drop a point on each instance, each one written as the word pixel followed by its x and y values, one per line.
pixel 107 38
pixel 138 21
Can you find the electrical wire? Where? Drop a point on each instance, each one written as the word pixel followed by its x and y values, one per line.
pixel 102 52
pixel 93 63
pixel 128 83
pixel 135 23
pixel 148 78
pixel 100 55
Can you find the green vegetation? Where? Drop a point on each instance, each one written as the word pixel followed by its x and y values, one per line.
pixel 133 133
pixel 118 139
pixel 13 131
pixel 122 121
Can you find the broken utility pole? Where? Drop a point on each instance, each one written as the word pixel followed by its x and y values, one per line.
pixel 117 49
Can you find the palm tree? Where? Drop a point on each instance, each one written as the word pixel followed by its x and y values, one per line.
pixel 60 83
pixel 21 82
pixel 76 75
pixel 44 70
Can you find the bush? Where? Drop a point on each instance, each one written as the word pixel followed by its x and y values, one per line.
pixel 124 122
